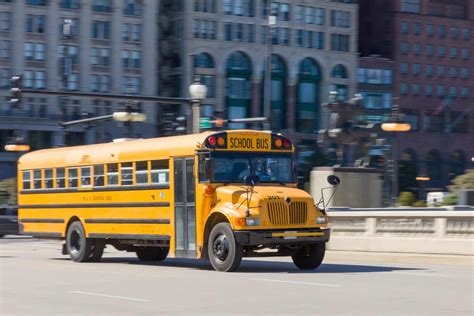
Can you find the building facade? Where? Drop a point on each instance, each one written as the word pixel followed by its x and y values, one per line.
pixel 110 47
pixel 226 43
pixel 432 43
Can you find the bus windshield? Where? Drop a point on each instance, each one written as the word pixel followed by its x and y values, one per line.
pixel 234 167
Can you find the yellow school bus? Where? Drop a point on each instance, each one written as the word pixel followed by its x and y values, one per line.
pixel 215 195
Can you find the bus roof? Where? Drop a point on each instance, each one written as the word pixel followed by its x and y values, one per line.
pixel 132 150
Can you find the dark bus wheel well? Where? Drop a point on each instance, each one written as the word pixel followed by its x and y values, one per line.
pixel 71 220
pixel 213 220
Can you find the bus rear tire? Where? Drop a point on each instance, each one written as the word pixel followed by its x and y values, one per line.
pixel 225 254
pixel 152 253
pixel 78 246
pixel 309 257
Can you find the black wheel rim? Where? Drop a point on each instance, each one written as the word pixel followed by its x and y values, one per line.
pixel 220 247
pixel 75 243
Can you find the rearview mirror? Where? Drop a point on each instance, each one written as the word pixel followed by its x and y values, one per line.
pixel 209 165
pixel 251 180
pixel 333 180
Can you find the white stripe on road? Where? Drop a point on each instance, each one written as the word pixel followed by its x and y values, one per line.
pixel 297 282
pixel 422 274
pixel 111 296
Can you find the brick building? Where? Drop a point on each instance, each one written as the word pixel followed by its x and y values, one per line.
pixel 432 43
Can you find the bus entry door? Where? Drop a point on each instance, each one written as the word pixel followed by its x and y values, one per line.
pixel 184 207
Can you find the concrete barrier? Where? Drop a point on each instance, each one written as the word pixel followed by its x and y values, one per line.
pixel 411 230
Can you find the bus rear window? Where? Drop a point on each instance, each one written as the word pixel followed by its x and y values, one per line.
pixel 141 172
pixel 112 174
pixel 72 177
pixel 85 176
pixel 126 172
pixel 26 180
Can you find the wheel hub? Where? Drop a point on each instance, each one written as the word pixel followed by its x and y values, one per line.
pixel 221 247
pixel 75 242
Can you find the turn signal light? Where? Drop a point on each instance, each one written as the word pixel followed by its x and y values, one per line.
pixel 278 143
pixel 209 189
pixel 221 141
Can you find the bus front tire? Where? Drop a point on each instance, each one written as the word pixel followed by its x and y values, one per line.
pixel 97 250
pixel 78 246
pixel 309 257
pixel 225 254
pixel 152 253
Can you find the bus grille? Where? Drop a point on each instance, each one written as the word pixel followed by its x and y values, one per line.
pixel 280 213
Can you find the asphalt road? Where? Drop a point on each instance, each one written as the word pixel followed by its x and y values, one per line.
pixel 35 279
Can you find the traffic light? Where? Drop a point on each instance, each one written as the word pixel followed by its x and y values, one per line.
pixel 167 124
pixel 15 91
pixel 219 120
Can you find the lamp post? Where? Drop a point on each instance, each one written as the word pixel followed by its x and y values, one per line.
pixel 422 179
pixel 395 125
pixel 198 92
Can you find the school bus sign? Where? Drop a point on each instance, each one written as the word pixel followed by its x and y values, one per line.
pixel 248 141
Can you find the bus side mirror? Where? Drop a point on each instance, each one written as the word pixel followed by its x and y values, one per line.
pixel 209 166
pixel 333 180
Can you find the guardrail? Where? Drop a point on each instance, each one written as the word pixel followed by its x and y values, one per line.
pixel 447 230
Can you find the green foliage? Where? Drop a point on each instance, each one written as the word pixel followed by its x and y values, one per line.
pixel 419 204
pixel 406 199
pixel 9 186
pixel 451 199
pixel 464 181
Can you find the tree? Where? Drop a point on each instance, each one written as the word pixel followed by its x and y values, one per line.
pixel 9 186
pixel 463 182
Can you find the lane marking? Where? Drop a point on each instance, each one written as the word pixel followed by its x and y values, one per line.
pixel 111 296
pixel 297 282
pixel 421 274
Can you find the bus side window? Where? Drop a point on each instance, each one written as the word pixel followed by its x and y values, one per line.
pixel 112 174
pixel 141 172
pixel 72 177
pixel 37 179
pixel 27 180
pixel 126 170
pixel 48 178
pixel 85 176
pixel 60 178
pixel 160 172
pixel 99 175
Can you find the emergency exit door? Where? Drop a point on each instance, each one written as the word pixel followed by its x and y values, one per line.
pixel 185 207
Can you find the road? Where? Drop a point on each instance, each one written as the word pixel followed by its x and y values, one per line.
pixel 35 279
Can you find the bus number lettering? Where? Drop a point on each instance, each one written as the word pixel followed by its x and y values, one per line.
pixel 248 143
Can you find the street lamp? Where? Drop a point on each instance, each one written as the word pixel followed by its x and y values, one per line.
pixel 16 143
pixel 198 92
pixel 395 124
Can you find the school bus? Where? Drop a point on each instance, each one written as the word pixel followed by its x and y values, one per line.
pixel 219 196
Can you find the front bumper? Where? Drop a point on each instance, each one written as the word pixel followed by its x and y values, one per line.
pixel 282 237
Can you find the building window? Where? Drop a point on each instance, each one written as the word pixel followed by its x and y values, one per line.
pixel 5 49
pixel 441 51
pixel 132 7
pixel 208 6
pixel 131 59
pixel 441 70
pixel 340 18
pixel 429 70
pixel 466 34
pixel 465 92
pixel 428 89
pixel 72 82
pixel 417 48
pixel 404 47
pixel 69 4
pixel 131 85
pixel 441 90
pixel 433 123
pixel 5 77
pixel 5 21
pixel 410 6
pixel 430 29
pixel 203 60
pixel 465 72
pixel 239 7
pixel 404 27
pixel 416 69
pixel 429 50
pixel 340 42
pixel 100 83
pixel 205 29
pixel 453 71
pixel 415 88
pixel 209 82
pixel 442 31
pixel 101 5
pixel 403 68
pixel 241 32
pixel 74 29
pixel 413 119
pixel 36 2
pixel 453 52
pixel 34 51
pixel 404 88
pixel 132 32
pixel 417 28
pixel 453 91
pixel 35 23
pixel 34 79
pixel 282 9
pixel 465 53
pixel 339 72
pixel 101 29
pixel 100 56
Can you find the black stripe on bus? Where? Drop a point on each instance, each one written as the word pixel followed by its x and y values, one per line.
pixel 95 205
pixel 42 234
pixel 131 236
pixel 42 220
pixel 100 189
pixel 126 221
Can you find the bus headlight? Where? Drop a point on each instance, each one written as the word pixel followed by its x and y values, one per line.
pixel 249 221
pixel 321 220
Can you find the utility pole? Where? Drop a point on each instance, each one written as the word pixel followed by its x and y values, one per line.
pixel 272 18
